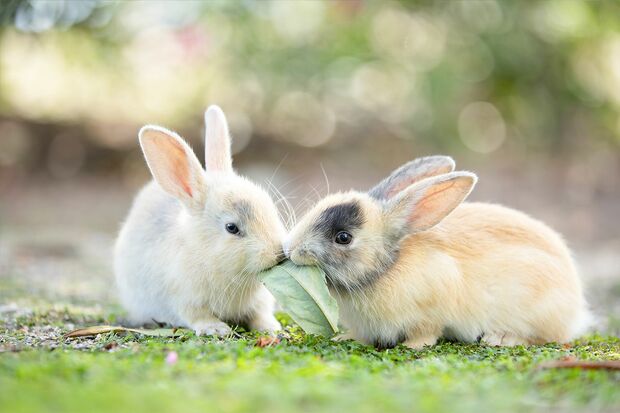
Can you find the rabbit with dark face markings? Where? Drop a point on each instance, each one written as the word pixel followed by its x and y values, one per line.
pixel 194 240
pixel 409 262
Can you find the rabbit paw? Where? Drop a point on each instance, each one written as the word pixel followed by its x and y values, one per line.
pixel 343 337
pixel 505 339
pixel 417 343
pixel 211 328
pixel 266 324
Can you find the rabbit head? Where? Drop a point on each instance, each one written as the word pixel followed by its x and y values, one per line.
pixel 355 237
pixel 226 216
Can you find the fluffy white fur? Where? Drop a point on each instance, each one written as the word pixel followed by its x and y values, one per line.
pixel 463 272
pixel 174 260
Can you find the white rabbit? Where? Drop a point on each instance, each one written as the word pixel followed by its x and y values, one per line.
pixel 194 240
pixel 407 264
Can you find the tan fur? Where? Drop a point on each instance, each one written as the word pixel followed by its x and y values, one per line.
pixel 488 262
pixel 485 270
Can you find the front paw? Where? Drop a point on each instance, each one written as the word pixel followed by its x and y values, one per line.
pixel 504 339
pixel 343 337
pixel 266 324
pixel 211 328
pixel 418 343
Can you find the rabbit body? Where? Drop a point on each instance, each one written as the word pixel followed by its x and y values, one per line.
pixel 408 262
pixel 166 271
pixel 193 242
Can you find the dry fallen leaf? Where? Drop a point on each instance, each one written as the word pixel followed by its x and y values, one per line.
pixel 94 330
pixel 572 363
pixel 267 341
pixel 110 346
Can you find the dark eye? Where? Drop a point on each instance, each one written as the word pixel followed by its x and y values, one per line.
pixel 343 237
pixel 232 228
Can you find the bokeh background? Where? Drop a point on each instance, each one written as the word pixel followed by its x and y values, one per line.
pixel 320 96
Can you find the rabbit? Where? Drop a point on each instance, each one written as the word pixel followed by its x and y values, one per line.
pixel 409 262
pixel 194 240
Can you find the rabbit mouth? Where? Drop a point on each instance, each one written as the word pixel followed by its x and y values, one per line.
pixel 303 256
pixel 273 261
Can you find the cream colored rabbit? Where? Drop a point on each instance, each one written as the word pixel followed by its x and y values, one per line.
pixel 194 240
pixel 407 262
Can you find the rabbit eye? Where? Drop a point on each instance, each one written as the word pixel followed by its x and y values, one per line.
pixel 232 228
pixel 343 237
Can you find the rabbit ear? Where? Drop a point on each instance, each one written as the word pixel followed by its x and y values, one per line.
pixel 217 141
pixel 424 204
pixel 173 165
pixel 410 173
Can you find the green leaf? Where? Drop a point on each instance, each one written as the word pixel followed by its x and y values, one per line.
pixel 302 293
pixel 94 330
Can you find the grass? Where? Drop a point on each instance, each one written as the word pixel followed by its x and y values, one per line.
pixel 42 372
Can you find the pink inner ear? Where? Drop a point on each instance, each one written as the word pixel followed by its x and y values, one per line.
pixel 430 202
pixel 176 160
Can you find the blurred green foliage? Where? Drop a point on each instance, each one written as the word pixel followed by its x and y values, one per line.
pixel 542 76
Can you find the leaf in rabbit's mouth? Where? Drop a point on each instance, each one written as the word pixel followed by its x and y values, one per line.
pixel 302 292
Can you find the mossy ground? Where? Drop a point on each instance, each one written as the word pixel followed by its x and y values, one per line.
pixel 41 371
